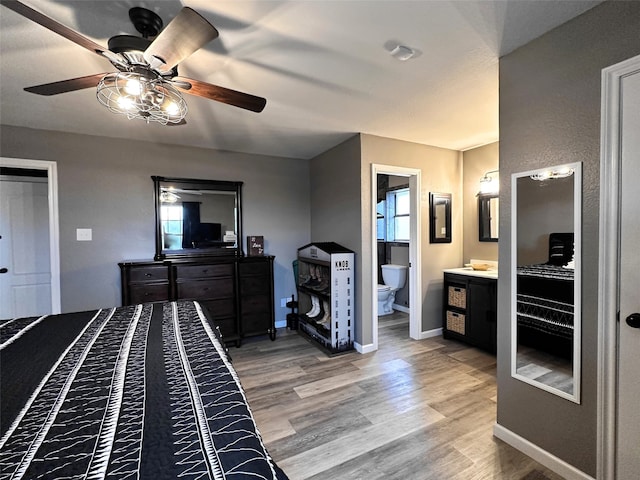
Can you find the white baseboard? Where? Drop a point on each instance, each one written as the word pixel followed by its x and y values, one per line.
pixel 436 332
pixel 540 455
pixel 400 308
pixel 281 323
pixel 364 348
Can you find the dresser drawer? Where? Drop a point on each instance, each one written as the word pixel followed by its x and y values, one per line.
pixel 205 289
pixel 203 271
pixel 149 274
pixel 254 268
pixel 254 285
pixel 156 292
pixel 255 304
pixel 221 308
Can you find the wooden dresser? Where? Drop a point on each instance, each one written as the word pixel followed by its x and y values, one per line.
pixel 237 291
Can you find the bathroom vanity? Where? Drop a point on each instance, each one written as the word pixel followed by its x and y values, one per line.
pixel 470 306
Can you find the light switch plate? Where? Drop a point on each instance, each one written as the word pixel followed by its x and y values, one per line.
pixel 83 234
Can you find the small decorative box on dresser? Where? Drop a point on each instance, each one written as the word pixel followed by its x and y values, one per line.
pixel 237 291
pixel 470 306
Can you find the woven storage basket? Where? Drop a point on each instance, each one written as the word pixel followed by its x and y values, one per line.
pixel 455 322
pixel 458 297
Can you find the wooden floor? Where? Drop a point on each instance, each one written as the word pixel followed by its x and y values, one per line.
pixel 412 410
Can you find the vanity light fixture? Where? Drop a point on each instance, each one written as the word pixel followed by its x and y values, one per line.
pixel 562 172
pixel 489 183
pixel 142 95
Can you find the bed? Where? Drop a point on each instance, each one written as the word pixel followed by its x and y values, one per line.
pixel 545 299
pixel 138 392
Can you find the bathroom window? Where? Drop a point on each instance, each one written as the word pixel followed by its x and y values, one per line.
pixel 398 209
pixel 380 216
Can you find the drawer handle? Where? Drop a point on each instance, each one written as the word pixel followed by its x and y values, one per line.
pixel 205 270
pixel 148 275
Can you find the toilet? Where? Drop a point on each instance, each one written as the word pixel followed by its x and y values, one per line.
pixel 394 277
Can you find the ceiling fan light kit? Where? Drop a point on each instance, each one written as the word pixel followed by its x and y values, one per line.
pixel 147 84
pixel 138 96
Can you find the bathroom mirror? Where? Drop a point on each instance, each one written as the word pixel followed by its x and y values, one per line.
pixel 440 217
pixel 197 217
pixel 488 216
pixel 545 279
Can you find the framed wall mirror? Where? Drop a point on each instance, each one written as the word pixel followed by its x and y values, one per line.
pixel 546 280
pixel 197 217
pixel 439 217
pixel 488 217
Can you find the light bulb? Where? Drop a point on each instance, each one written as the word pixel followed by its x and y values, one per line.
pixel 171 108
pixel 126 103
pixel 133 87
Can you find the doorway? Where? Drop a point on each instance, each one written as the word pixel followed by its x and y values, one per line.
pixel 618 341
pixel 413 276
pixel 29 240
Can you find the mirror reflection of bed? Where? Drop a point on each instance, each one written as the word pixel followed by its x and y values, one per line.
pixel 546 282
pixel 545 311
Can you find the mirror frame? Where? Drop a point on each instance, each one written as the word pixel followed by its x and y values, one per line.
pixel 577 282
pixel 436 199
pixel 484 217
pixel 223 185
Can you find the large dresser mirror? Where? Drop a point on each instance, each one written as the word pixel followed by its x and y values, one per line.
pixel 197 217
pixel 545 279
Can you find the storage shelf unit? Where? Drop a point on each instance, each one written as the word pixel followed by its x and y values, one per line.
pixel 326 290
pixel 469 312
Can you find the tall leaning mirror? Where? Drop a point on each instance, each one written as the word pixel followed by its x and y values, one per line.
pixel 545 279
pixel 197 217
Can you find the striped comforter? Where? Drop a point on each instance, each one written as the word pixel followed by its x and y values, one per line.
pixel 139 392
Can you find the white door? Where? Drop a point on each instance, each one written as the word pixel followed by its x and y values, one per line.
pixel 628 428
pixel 25 266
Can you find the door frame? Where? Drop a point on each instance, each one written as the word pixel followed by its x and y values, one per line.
pixel 608 305
pixel 415 261
pixel 54 230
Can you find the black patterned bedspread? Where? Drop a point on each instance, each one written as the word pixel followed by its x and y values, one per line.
pixel 139 392
pixel 545 299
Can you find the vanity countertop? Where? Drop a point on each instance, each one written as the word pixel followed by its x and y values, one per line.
pixel 473 273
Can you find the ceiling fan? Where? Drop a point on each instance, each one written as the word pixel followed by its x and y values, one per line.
pixel 147 84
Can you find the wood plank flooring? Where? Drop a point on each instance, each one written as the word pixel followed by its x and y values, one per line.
pixel 412 410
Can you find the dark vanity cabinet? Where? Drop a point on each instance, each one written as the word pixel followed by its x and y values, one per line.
pixel 237 291
pixel 470 306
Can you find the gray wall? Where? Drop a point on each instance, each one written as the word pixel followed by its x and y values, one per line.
pixel 441 171
pixel 550 114
pixel 476 162
pixel 104 184
pixel 335 206
pixel 341 212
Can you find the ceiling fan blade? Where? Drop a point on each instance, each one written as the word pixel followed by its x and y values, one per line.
pixel 53 25
pixel 185 34
pixel 221 94
pixel 65 86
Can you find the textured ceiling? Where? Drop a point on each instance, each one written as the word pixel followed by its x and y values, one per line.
pixel 323 66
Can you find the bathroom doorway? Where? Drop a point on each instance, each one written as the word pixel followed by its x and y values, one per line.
pixel 410 178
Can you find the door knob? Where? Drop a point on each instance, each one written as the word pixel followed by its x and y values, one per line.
pixel 4 270
pixel 633 320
